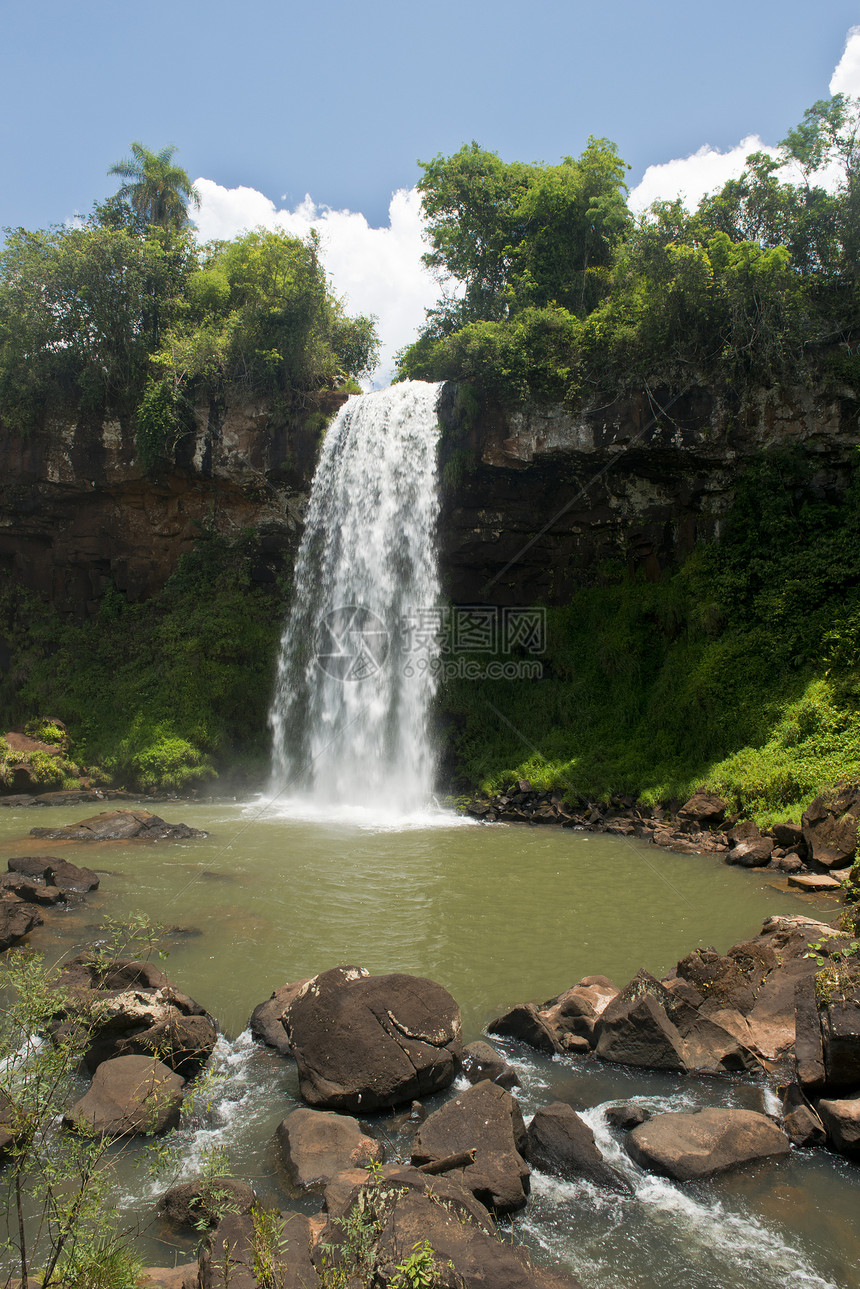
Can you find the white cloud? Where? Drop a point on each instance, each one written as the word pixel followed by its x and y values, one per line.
pixel 375 270
pixel 846 77
pixel 694 176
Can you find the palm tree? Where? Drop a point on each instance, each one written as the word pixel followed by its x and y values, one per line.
pixel 155 188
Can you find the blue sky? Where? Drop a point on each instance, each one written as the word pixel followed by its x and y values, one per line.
pixel 338 100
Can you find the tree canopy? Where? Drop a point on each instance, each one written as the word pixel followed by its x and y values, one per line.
pixel 155 188
pixel 553 287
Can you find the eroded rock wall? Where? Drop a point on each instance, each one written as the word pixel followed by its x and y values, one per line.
pixel 535 500
pixel 79 514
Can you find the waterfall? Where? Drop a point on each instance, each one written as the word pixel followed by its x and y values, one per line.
pixel 356 671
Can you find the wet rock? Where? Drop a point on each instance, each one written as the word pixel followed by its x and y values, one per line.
pixel 561 1143
pixel 791 863
pixel 626 1117
pixel 525 1023
pixel 841 1119
pixel 689 1147
pixel 789 836
pixel 480 1061
pixel 70 878
pixel 119 825
pixel 808 1043
pixel 203 1202
pixel 365 1042
pixel 410 1208
pixel 486 1119
pixel 17 919
pixel 800 1122
pixel 813 883
pixel 30 891
pixel 132 1008
pixel 128 1096
pixel 830 827
pixel 549 1026
pixel 637 1031
pixel 229 1256
pixel 267 1019
pixel 316 1145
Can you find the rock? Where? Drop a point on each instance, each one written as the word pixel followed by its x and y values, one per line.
pixel 841 1119
pixel 17 919
pixel 56 872
pixel 119 825
pixel 129 1095
pixel 316 1145
pixel 525 1023
pixel 813 882
pixel 480 1061
pixel 364 1042
pixel 408 1209
pixel 638 1032
pixel 626 1117
pixel 183 1277
pixel 790 836
pixel 689 1147
pixel 229 1256
pixel 808 1043
pixel 791 863
pixel 800 1122
pixel 204 1201
pixel 267 1019
pixel 754 853
pixel 561 1143
pixel 840 1032
pixel 705 808
pixel 133 1009
pixel 830 827
pixel 31 891
pixel 486 1119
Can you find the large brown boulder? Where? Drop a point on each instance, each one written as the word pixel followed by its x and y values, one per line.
pixel 688 1147
pixel 67 877
pixel 841 1119
pixel 755 852
pixel 129 1095
pixel 406 1209
pixel 17 919
pixel 119 825
pixel 316 1145
pixel 840 1032
pixel 550 1026
pixel 830 825
pixel 131 1008
pixel 487 1120
pixel 561 1143
pixel 203 1202
pixel 637 1031
pixel 704 808
pixel 364 1042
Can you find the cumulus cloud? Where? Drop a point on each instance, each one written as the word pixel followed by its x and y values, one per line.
pixel 374 270
pixel 846 77
pixel 694 176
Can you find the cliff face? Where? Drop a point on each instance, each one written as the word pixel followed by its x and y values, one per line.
pixel 77 512
pixel 534 501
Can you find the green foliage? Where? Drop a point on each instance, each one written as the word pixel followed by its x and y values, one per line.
pixel 157 695
pixel 555 289
pixel 715 674
pixel 418 1270
pixel 58 1183
pixel 159 424
pixel 155 188
pixel 269 1246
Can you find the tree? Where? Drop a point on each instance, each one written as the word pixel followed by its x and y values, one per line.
pixel 156 188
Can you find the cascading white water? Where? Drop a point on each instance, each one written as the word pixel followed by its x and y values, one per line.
pixel 356 669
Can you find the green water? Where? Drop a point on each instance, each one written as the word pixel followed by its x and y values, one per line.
pixel 498 915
